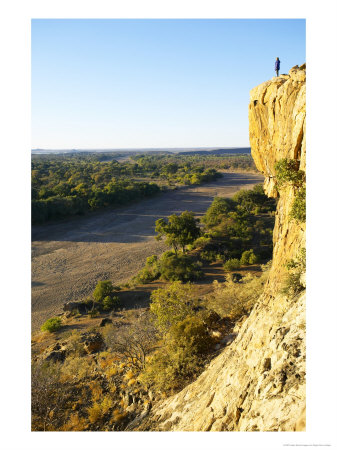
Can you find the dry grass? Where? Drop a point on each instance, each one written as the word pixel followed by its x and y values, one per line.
pixel 233 299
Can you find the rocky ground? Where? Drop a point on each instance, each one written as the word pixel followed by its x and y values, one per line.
pixel 69 257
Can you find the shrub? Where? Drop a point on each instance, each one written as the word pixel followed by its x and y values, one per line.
pixel 110 303
pixel 172 304
pixel 179 231
pixel 179 268
pixel 234 299
pixel 248 257
pixel 93 313
pixel 48 396
pixel 287 172
pixel 76 368
pixel 232 264
pixel 132 344
pixel 52 324
pixel 219 208
pixel 190 333
pixel 150 272
pixel 298 208
pixel 103 289
pixel 201 242
pixel 183 356
pixel 292 284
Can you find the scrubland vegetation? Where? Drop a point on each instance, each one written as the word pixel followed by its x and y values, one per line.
pixel 296 267
pixel 288 173
pixel 104 377
pixel 73 184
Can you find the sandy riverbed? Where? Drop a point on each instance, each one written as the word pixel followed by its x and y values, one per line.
pixel 68 258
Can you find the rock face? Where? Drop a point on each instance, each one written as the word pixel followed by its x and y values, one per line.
pixel 258 382
pixel 277 113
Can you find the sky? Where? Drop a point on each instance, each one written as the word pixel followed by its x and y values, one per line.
pixel 153 83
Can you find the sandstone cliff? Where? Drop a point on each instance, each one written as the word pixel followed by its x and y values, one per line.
pixel 258 382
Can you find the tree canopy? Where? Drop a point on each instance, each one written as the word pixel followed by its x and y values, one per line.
pixel 179 231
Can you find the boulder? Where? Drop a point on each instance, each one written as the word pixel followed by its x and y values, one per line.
pixel 92 342
pixel 236 277
pixel 56 356
pixel 57 352
pixel 81 307
pixel 105 321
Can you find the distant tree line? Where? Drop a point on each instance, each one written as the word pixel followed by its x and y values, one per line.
pixel 66 185
pixel 74 183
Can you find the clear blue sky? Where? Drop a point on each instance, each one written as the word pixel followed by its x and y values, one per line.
pixel 153 83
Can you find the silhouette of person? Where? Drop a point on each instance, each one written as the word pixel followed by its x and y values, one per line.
pixel 277 66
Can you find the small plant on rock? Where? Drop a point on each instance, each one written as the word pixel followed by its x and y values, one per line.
pixel 292 285
pixel 298 208
pixel 287 172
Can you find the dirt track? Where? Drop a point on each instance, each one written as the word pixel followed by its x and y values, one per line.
pixel 68 258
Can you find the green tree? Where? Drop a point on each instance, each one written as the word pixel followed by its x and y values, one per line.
pixel 187 344
pixel 172 304
pixel 110 302
pixel 248 257
pixel 219 208
pixel 179 231
pixel 179 267
pixel 103 289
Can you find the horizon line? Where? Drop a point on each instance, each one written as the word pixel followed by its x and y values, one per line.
pixel 138 148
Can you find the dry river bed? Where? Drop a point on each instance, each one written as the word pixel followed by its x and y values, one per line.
pixel 69 257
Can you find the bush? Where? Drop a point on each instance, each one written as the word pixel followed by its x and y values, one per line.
pixel 183 356
pixel 110 303
pixel 150 272
pixel 190 333
pixel 201 242
pixel 232 264
pixel 93 313
pixel 298 208
pixel 292 284
pixel 166 373
pixel 211 255
pixel 132 344
pixel 179 268
pixel 248 257
pixel 52 324
pixel 172 304
pixel 219 208
pixel 170 267
pixel 103 289
pixel 287 172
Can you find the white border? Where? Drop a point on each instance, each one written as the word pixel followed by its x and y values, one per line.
pixel 15 120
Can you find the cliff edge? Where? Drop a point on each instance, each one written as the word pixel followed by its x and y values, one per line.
pixel 258 382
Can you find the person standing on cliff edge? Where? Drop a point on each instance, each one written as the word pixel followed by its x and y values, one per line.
pixel 277 66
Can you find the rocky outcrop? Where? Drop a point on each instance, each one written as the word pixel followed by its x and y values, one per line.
pixel 258 382
pixel 277 113
pixel 92 342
